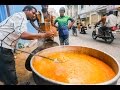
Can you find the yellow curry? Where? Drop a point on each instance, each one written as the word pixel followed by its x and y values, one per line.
pixel 76 68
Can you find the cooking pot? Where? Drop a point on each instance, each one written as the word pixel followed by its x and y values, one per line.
pixel 104 57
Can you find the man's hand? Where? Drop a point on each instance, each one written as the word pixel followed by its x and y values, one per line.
pixel 69 26
pixel 48 34
pixel 31 36
pixel 38 29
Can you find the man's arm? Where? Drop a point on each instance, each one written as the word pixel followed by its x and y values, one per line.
pixel 52 22
pixel 107 21
pixel 98 22
pixel 72 22
pixel 31 36
pixel 55 23
pixel 20 27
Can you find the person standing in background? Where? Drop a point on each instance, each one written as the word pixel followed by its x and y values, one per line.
pixel 47 18
pixel 63 26
pixel 78 27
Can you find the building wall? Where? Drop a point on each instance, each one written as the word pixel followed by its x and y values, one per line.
pixel 75 11
pixel 94 12
pixel 3 13
pixel 94 18
pixel 70 10
pixel 87 20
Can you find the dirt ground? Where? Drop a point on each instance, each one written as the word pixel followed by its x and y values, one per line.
pixel 23 74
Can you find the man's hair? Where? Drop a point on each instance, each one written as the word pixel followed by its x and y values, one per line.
pixel 28 8
pixel 44 9
pixel 62 9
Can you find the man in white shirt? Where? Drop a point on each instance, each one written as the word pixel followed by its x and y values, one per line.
pixel 111 20
pixel 11 30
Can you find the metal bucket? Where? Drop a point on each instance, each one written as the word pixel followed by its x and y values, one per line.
pixel 109 60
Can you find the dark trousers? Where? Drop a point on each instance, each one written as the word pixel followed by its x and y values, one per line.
pixel 7 67
pixel 101 29
pixel 64 40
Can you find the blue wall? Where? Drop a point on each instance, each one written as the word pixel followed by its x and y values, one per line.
pixel 19 8
pixel 3 12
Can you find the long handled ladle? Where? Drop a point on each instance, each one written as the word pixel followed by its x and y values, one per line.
pixel 55 60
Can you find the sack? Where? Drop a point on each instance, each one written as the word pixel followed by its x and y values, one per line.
pixel 114 28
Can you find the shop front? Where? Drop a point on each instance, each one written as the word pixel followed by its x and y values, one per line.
pixel 94 18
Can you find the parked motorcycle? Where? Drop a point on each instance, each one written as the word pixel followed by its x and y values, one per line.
pixel 107 34
pixel 83 30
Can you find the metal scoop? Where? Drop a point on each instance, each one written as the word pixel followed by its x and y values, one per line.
pixel 55 60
